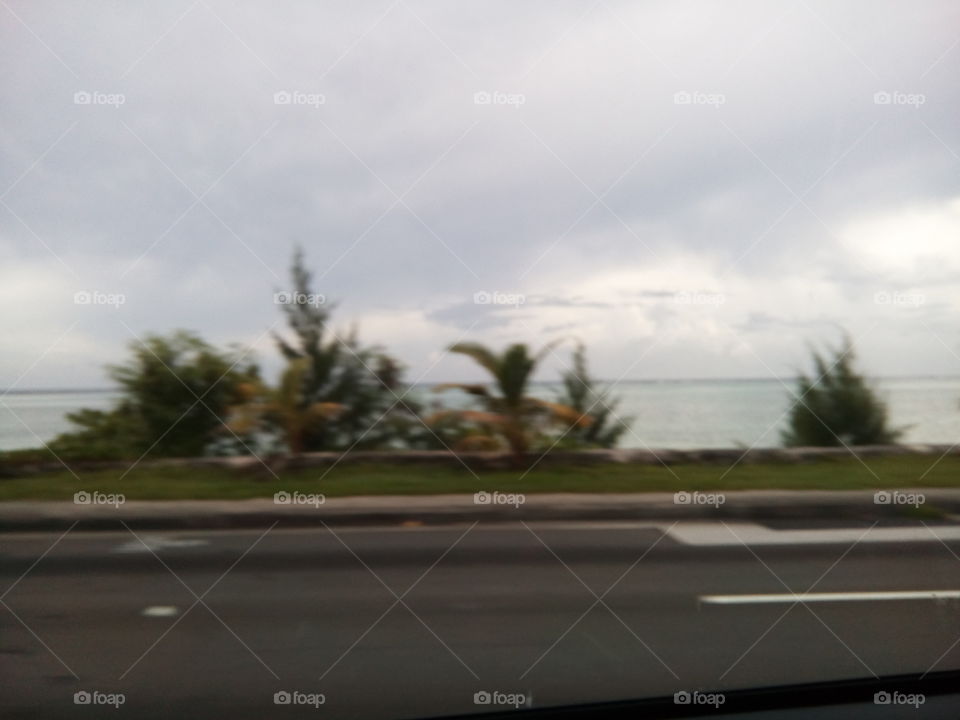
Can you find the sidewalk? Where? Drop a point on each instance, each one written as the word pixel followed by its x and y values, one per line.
pixel 753 505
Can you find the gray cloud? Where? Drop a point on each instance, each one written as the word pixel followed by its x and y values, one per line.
pixel 408 197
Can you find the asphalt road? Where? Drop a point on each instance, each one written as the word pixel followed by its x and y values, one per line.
pixel 410 622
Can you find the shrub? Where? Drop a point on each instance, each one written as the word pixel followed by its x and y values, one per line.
pixel 580 392
pixel 837 408
pixel 176 392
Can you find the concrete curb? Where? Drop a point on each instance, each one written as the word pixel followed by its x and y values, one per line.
pixel 36 516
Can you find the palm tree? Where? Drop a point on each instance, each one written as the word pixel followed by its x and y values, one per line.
pixel 509 412
pixel 293 412
pixel 284 407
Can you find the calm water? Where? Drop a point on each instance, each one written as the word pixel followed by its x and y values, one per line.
pixel 29 419
pixel 708 413
pixel 667 414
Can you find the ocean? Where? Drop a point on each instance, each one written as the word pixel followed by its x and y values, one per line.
pixel 681 414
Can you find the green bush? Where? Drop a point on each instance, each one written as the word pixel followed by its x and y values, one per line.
pixel 838 407
pixel 176 392
pixel 580 392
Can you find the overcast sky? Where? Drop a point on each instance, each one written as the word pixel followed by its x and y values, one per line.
pixel 692 189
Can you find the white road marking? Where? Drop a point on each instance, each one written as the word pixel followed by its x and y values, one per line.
pixel 697 533
pixel 830 597
pixel 736 533
pixel 156 543
pixel 716 533
pixel 160 611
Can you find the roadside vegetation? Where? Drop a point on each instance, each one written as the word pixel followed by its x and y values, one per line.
pixel 588 399
pixel 837 406
pixel 509 418
pixel 182 397
pixel 176 390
